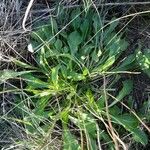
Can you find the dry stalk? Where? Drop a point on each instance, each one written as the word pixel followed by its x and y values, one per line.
pixel 26 14
pixel 115 138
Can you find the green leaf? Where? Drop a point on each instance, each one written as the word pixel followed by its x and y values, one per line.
pixel 111 41
pixel 64 116
pixel 66 49
pixel 58 45
pixel 44 92
pixel 38 36
pixel 108 63
pixel 87 49
pixel 85 27
pixel 97 23
pixel 22 64
pixel 54 25
pixel 34 82
pixel 43 61
pixel 20 121
pixel 74 40
pixel 85 71
pixel 127 63
pixel 88 124
pixel 116 46
pixel 110 29
pixel 105 136
pixel 41 104
pixel 101 102
pixel 144 62
pixel 128 121
pixel 64 35
pixel 115 110
pixel 147 72
pixel 75 76
pixel 54 76
pixel 123 45
pixel 64 71
pixel 69 141
pixel 47 31
pixel 91 100
pixel 104 67
pixel 140 136
pixel 95 57
pixel 49 34
pixel 76 18
pixel 127 88
pixel 10 74
pixel 90 97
